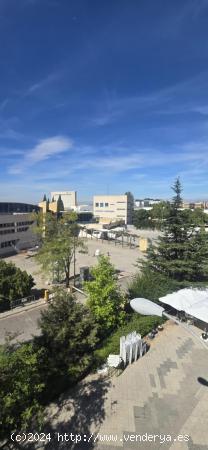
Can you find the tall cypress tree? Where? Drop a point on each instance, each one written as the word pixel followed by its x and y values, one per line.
pixel 181 252
pixel 60 205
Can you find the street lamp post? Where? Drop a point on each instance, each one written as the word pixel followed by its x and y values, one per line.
pixel 148 308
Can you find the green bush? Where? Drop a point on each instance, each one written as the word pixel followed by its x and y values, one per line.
pixel 21 389
pixel 152 286
pixel 141 324
pixel 14 284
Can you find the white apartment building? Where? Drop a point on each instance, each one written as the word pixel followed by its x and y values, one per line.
pixel 146 203
pixel 112 208
pixel 69 198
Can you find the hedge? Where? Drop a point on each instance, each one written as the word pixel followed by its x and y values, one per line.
pixel 141 324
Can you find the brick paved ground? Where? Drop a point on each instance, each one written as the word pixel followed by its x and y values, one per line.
pixel 159 394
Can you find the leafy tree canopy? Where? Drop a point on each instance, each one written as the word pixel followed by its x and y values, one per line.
pixel 152 286
pixel 68 337
pixel 104 297
pixel 142 219
pixel 159 213
pixel 59 244
pixel 21 387
pixel 14 283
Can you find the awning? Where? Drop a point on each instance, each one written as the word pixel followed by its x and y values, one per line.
pixel 192 301
pixel 200 310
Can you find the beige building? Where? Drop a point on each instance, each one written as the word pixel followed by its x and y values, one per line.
pixel 193 205
pixel 113 208
pixel 48 207
pixel 69 198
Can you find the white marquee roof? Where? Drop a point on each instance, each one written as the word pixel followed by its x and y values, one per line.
pixel 192 301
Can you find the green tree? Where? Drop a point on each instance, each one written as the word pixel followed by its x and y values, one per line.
pixel 142 219
pixel 21 388
pixel 59 246
pixel 67 341
pixel 14 284
pixel 181 252
pixel 159 213
pixel 151 285
pixel 44 225
pixel 197 217
pixel 44 198
pixel 60 205
pixel 104 297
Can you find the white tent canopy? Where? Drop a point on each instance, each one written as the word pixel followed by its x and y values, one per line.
pixel 200 310
pixel 192 301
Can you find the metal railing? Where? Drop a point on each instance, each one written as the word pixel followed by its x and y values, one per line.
pixel 22 301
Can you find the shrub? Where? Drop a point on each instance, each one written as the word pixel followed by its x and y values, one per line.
pixel 152 286
pixel 141 324
pixel 14 284
pixel 21 388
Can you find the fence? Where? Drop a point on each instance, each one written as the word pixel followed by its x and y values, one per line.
pixel 22 301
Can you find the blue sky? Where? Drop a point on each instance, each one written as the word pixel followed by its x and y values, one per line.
pixel 103 97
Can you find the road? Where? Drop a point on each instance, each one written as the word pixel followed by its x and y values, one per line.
pixel 23 321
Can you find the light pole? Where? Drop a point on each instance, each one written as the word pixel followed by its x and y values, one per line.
pixel 148 308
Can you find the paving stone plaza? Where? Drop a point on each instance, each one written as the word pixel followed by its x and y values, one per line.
pixel 163 393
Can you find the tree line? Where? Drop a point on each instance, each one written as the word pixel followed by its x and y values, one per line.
pixel 156 217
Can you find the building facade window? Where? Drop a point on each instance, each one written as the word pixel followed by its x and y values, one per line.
pixel 8 244
pixel 7 225
pixel 11 230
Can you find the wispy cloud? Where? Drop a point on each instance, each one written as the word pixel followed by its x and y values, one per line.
pixel 45 149
pixel 143 158
pixel 51 78
pixel 186 96
pixel 112 158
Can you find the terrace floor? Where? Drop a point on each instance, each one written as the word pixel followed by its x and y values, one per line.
pixel 163 393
